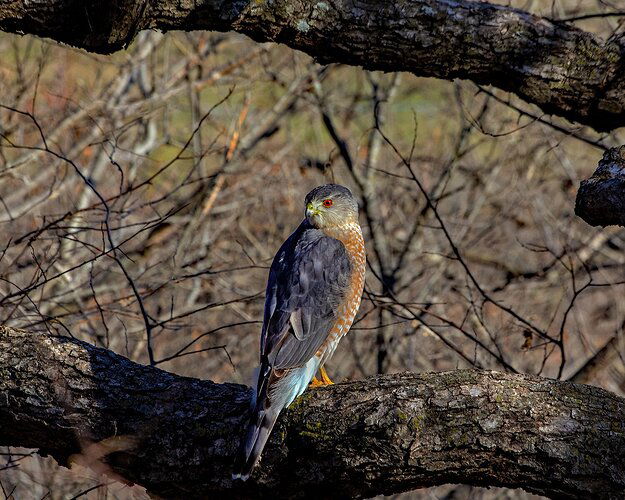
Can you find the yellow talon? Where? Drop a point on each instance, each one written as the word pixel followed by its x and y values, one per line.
pixel 324 377
pixel 325 380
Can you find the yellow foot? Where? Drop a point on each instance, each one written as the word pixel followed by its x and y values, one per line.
pixel 315 382
pixel 324 377
pixel 325 380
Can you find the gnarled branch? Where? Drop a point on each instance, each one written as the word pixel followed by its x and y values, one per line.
pixel 177 436
pixel 601 199
pixel 564 70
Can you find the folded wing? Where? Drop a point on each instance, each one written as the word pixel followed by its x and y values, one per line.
pixel 308 280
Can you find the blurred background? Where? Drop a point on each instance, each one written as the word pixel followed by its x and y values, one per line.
pixel 144 194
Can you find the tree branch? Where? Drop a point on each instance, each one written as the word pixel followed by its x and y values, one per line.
pixel 600 200
pixel 564 70
pixel 177 436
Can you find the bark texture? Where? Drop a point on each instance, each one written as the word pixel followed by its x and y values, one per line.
pixel 177 436
pixel 601 199
pixel 564 70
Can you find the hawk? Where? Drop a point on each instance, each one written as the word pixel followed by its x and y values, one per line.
pixel 313 293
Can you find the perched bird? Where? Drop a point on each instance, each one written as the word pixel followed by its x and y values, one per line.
pixel 313 293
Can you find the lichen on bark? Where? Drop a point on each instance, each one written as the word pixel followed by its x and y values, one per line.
pixel 382 435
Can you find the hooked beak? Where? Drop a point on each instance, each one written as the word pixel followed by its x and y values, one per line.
pixel 312 210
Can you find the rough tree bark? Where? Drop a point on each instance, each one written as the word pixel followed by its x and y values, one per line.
pixel 564 70
pixel 177 435
pixel 601 199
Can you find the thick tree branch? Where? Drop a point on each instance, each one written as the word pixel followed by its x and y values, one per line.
pixel 562 69
pixel 601 199
pixel 177 435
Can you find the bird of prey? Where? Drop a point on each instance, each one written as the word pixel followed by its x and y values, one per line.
pixel 313 293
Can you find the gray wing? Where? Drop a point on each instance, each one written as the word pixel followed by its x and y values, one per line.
pixel 307 281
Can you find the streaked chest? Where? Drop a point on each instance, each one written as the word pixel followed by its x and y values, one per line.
pixel 351 236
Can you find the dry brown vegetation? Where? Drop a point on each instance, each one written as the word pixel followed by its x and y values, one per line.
pixel 144 194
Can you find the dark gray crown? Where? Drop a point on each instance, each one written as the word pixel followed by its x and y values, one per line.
pixel 334 191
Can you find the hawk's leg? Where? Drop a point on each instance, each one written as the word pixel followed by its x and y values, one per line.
pixel 325 380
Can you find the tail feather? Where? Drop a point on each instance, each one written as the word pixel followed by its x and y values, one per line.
pixel 262 420
pixel 273 394
pixel 255 440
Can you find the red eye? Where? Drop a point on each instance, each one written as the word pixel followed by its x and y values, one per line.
pixel 327 203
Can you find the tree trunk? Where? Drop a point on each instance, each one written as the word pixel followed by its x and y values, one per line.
pixel 177 436
pixel 564 70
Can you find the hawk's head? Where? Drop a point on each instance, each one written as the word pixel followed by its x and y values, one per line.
pixel 330 206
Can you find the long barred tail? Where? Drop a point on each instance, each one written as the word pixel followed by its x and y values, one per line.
pixel 269 402
pixel 262 420
pixel 258 431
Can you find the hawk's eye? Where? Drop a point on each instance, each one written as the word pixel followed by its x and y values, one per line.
pixel 327 203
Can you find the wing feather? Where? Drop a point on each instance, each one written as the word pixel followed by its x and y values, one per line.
pixel 307 280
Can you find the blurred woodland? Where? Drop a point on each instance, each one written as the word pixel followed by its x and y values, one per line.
pixel 144 194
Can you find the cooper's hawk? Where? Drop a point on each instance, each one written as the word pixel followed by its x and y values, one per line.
pixel 313 293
